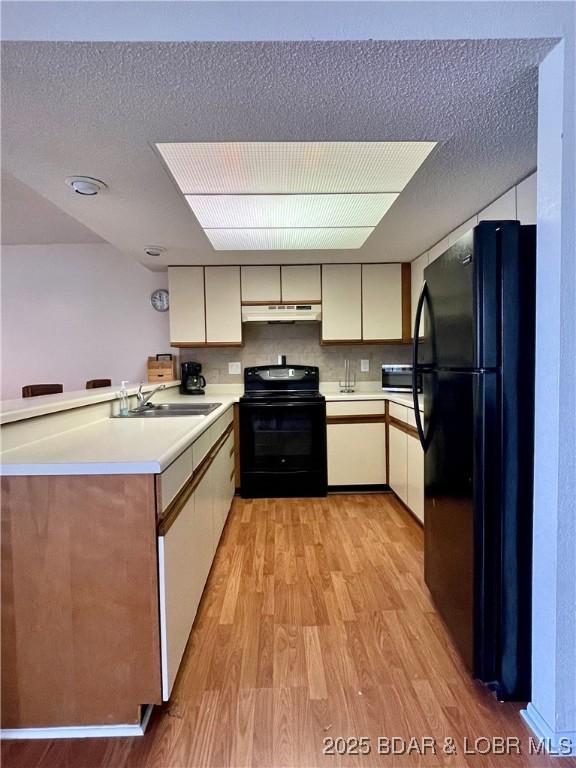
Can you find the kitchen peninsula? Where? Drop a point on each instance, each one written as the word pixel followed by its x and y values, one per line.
pixel 110 527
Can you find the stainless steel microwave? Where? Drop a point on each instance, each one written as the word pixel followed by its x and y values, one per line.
pixel 398 378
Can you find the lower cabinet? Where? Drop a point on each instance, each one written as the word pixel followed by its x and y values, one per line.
pixel 398 462
pixel 415 477
pixel 181 580
pixel 406 462
pixel 185 554
pixel 356 454
pixel 356 436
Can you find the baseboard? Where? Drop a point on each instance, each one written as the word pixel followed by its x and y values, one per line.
pixel 556 743
pixel 381 488
pixel 81 731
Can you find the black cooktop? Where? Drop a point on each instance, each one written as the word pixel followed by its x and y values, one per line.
pixel 282 382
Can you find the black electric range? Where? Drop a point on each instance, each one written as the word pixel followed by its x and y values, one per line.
pixel 282 432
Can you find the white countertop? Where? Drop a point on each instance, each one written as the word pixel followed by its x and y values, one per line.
pixel 132 446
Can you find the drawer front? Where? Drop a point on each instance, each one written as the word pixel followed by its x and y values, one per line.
pixel 355 408
pixel 160 375
pixel 399 412
pixel 201 447
pixel 410 418
pixel 175 476
pixel 219 426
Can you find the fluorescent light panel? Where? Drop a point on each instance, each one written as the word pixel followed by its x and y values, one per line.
pixel 293 167
pixel 250 211
pixel 292 195
pixel 286 239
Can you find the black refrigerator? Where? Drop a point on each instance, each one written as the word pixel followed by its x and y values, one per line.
pixel 474 350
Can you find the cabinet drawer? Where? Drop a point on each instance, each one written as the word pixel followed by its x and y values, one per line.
pixel 175 476
pixel 410 418
pixel 355 408
pixel 201 447
pixel 399 412
pixel 220 426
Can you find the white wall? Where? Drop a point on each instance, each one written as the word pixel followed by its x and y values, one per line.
pixel 76 312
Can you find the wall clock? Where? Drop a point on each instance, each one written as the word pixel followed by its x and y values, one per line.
pixel 160 300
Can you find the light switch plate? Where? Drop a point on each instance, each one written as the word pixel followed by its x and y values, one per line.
pixel 234 368
pixel 364 366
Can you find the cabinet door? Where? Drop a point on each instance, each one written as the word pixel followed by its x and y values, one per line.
pixel 341 302
pixel 415 477
pixel 261 284
pixel 381 301
pixel 417 281
pixel 356 454
pixel 180 584
pixel 205 546
pixel 301 283
pixel 223 466
pixel 398 462
pixel 223 314
pixel 186 286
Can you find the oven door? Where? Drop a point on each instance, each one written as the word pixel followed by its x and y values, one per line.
pixel 283 449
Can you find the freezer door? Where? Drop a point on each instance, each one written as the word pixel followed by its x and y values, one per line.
pixel 465 297
pixel 449 328
pixel 460 466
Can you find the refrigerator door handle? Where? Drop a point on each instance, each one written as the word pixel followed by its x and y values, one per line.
pixel 415 364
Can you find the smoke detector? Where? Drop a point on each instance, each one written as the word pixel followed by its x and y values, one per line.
pixel 154 250
pixel 85 185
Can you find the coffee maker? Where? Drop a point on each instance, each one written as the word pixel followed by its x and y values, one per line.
pixel 191 381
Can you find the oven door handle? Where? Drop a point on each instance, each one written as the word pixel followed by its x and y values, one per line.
pixel 299 404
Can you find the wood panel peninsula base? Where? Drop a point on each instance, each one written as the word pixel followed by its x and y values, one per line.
pixel 102 575
pixel 80 615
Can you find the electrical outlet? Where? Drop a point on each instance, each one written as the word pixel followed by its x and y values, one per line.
pixel 364 366
pixel 234 368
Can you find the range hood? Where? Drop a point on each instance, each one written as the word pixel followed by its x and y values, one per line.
pixel 281 313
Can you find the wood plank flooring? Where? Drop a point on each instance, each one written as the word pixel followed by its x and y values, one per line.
pixel 315 624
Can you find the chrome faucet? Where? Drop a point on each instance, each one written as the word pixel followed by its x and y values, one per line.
pixel 144 400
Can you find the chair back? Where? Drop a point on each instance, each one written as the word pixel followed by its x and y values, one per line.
pixel 96 383
pixel 33 390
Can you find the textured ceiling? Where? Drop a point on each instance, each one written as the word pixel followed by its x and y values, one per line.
pixel 29 218
pixel 98 109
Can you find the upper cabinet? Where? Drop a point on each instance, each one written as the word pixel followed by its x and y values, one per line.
pixel 261 284
pixel 360 303
pixel 187 315
pixel 382 302
pixel 204 306
pixel 341 302
pixel 301 283
pixel 295 283
pixel 223 311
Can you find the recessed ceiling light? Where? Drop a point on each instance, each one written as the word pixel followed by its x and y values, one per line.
pixel 85 185
pixel 154 250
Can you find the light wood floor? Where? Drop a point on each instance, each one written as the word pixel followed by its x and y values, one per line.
pixel 315 624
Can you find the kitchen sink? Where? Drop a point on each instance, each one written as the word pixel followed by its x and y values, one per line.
pixel 171 409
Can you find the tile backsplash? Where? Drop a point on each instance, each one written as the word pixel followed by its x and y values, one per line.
pixel 300 343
